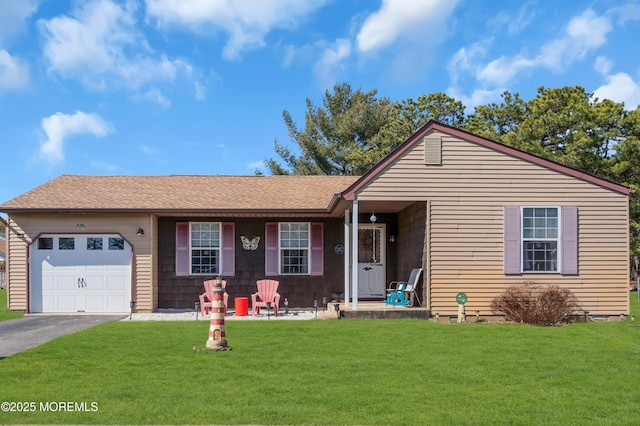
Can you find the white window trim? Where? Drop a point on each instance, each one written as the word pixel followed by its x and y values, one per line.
pixel 558 240
pixel 308 249
pixel 219 249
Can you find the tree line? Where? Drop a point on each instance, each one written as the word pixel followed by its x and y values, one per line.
pixel 353 130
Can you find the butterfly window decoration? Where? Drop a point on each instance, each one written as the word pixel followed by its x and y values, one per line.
pixel 250 244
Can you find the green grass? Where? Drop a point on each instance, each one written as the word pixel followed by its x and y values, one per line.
pixel 6 314
pixel 349 372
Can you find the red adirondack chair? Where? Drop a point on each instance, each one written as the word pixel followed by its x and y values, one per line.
pixel 206 298
pixel 267 292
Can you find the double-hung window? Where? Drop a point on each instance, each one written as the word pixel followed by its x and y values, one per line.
pixel 540 239
pixel 205 248
pixel 294 248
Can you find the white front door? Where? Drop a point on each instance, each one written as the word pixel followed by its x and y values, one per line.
pixel 80 273
pixel 371 260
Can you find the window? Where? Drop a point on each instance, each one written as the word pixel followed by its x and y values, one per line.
pixel 205 248
pixel 45 243
pixel 294 248
pixel 94 243
pixel 66 243
pixel 116 243
pixel 540 239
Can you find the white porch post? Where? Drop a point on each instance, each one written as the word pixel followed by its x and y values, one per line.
pixel 354 253
pixel 347 257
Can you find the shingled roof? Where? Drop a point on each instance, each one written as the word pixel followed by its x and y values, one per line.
pixel 182 193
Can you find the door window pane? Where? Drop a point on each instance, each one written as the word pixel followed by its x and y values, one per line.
pixel 66 243
pixel 45 243
pixel 116 243
pixel 94 243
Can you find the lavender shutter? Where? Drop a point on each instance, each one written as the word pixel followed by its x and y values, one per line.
pixel 569 241
pixel 228 266
pixel 271 248
pixel 317 248
pixel 182 249
pixel 512 247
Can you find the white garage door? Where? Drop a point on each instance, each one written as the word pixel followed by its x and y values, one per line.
pixel 80 273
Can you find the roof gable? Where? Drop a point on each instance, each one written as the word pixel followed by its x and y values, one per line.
pixel 378 169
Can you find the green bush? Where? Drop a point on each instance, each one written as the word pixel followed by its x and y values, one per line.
pixel 531 303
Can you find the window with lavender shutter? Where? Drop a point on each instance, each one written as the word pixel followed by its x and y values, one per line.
pixel 228 267
pixel 271 249
pixel 512 245
pixel 569 242
pixel 317 248
pixel 182 249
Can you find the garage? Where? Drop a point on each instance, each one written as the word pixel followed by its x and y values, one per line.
pixel 80 273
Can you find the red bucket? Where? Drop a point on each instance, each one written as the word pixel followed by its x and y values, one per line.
pixel 242 306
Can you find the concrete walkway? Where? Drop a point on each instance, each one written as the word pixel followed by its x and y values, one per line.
pixel 33 330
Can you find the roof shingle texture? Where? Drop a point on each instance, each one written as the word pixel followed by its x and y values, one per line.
pixel 183 192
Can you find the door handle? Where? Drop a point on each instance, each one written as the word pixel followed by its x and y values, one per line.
pixel 367 268
pixel 81 283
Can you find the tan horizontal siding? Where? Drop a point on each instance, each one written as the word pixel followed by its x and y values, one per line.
pixel 33 225
pixel 467 195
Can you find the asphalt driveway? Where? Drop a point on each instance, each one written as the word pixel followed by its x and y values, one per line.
pixel 33 330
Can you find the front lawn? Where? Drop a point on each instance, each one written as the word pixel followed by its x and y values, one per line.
pixel 6 314
pixel 321 372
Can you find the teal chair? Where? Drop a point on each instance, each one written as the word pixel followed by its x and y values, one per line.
pixel 396 295
pixel 399 292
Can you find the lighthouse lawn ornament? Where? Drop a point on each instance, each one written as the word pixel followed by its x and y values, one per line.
pixel 217 339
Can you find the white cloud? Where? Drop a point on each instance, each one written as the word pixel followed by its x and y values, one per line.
pixel 200 91
pixel 583 34
pixel 620 87
pixel 59 127
pixel 330 60
pixel 502 70
pixel 602 65
pixel 466 58
pixel 246 23
pixel 100 45
pixel 148 150
pixel 626 12
pixel 13 13
pixel 478 97
pixel 14 72
pixel 109 168
pixel 256 165
pixel 223 151
pixel 408 19
pixel 154 95
pixel 517 22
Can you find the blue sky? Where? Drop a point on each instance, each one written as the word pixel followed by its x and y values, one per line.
pixel 154 87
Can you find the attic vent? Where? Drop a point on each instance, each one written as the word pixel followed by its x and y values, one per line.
pixel 432 150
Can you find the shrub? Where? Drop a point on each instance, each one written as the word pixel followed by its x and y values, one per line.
pixel 531 303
